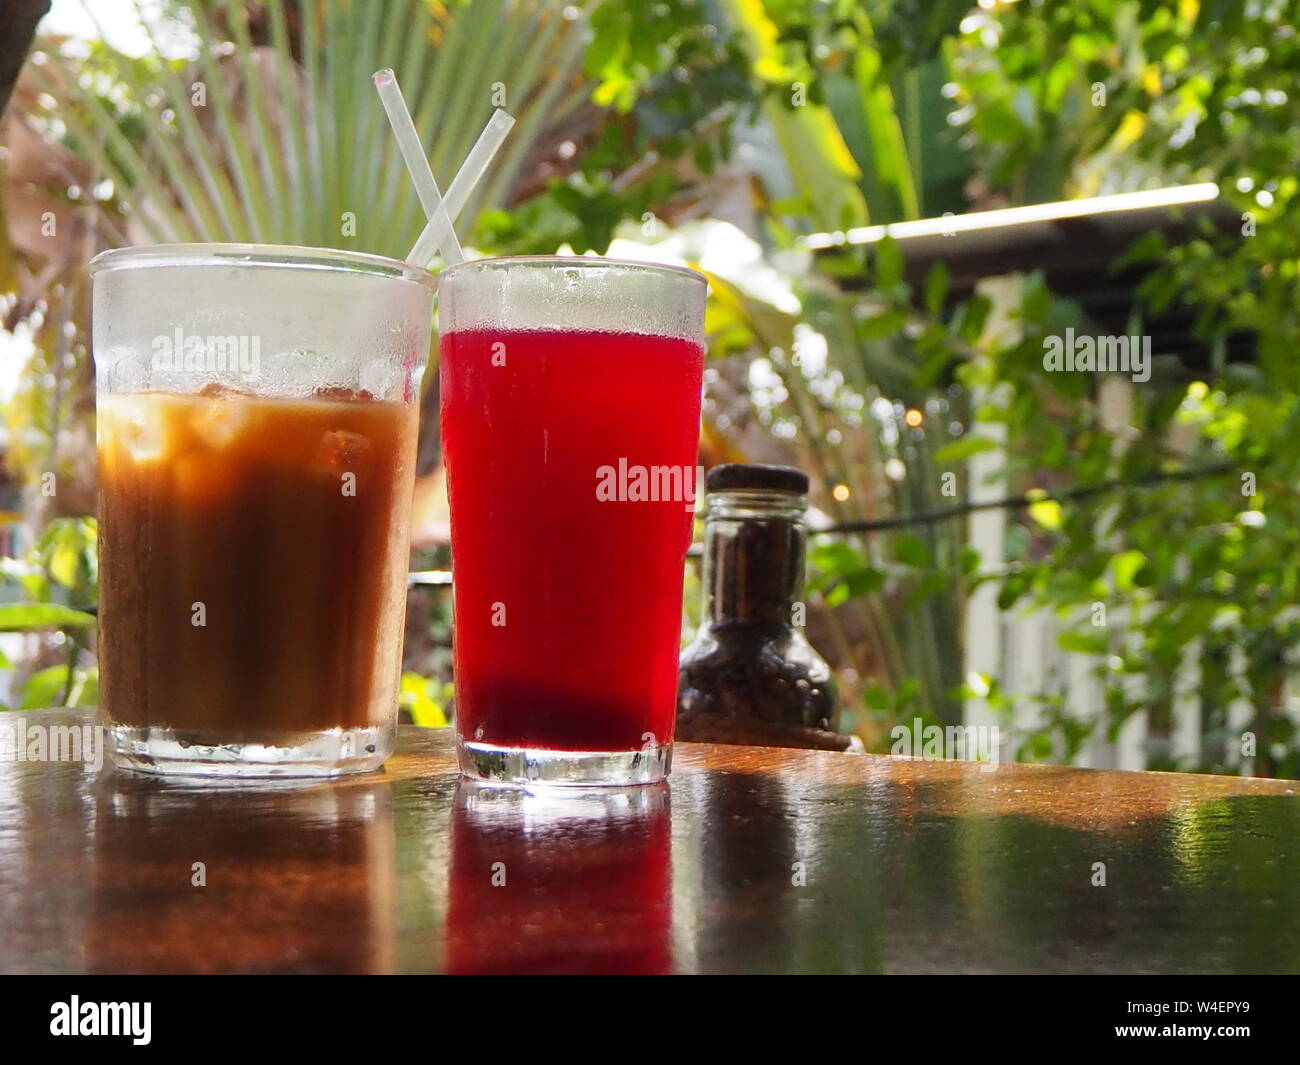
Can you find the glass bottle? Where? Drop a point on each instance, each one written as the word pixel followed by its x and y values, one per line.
pixel 750 675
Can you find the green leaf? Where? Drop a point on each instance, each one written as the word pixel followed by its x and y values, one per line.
pixel 856 585
pixel 820 163
pixel 1124 567
pixel 969 320
pixel 44 688
pixel 888 146
pixel 23 617
pixel 911 551
pixel 879 326
pixel 936 288
pixel 1150 246
pixel 835 558
pixel 877 697
pixel 964 448
pixel 1094 642
pixel 418 697
pixel 1048 514
pixel 889 263
pixel 1015 586
pixel 65 556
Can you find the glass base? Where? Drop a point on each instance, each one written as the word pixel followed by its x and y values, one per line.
pixel 527 766
pixel 328 753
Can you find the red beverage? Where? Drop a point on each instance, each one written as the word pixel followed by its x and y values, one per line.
pixel 568 605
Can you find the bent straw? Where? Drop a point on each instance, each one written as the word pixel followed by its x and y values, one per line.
pixel 462 187
pixel 426 188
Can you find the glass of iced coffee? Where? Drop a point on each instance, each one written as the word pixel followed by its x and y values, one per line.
pixel 256 438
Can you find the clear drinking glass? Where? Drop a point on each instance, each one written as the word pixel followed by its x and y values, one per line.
pixel 570 391
pixel 256 439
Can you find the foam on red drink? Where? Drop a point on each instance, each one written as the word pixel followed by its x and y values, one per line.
pixel 567 605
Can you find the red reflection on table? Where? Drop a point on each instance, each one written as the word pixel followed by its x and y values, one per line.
pixel 560 882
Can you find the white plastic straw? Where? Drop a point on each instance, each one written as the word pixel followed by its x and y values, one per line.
pixel 426 188
pixel 462 187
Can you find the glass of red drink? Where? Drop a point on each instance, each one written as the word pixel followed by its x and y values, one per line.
pixel 256 431
pixel 570 392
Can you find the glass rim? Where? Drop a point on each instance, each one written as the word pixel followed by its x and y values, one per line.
pixel 273 256
pixel 585 261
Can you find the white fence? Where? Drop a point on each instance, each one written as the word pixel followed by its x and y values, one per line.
pixel 1020 648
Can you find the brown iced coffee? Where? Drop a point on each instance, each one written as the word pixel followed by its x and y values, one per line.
pixel 253 553
pixel 257 420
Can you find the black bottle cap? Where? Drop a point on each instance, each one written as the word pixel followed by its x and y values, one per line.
pixel 753 476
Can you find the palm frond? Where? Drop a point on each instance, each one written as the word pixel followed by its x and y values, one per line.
pixel 281 142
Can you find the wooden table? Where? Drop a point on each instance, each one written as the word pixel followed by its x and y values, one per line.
pixel 753 860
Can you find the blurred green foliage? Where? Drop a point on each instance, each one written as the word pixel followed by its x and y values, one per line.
pixel 52 590
pixel 1198 575
pixel 1201 573
pixel 425 699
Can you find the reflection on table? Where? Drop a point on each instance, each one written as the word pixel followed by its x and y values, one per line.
pixel 560 883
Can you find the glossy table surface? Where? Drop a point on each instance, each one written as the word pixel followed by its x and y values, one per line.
pixel 752 859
